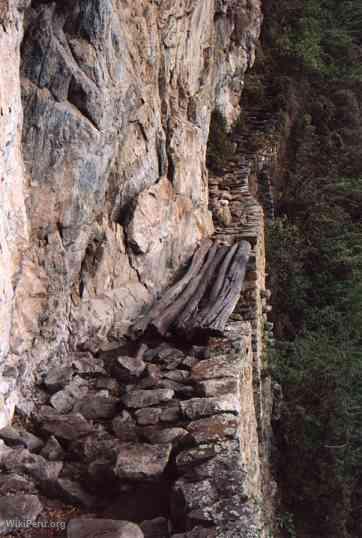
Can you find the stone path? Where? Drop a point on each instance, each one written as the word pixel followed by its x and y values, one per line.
pixel 154 439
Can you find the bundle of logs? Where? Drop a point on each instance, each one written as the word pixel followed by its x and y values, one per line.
pixel 202 301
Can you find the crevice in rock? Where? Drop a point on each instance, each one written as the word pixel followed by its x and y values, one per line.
pixel 78 97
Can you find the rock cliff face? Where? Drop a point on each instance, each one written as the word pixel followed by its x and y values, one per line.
pixel 105 107
pixel 106 196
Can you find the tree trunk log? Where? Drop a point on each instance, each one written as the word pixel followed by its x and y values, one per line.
pixel 214 316
pixel 173 293
pixel 202 283
pixel 166 319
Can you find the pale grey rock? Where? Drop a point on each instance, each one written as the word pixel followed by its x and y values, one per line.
pixel 216 428
pixel 102 528
pixel 219 387
pixel 205 407
pixel 217 367
pixel 18 508
pixel 62 401
pixel 224 510
pixel 142 461
pixel 194 495
pixel 146 398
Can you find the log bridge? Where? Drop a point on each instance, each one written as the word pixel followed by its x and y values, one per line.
pixel 201 302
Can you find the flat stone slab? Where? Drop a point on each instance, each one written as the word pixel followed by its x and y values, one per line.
pixel 215 368
pixel 94 406
pixel 66 426
pixel 102 528
pixel 216 428
pixel 146 398
pixel 205 407
pixel 218 387
pixel 18 509
pixel 142 461
pixel 166 435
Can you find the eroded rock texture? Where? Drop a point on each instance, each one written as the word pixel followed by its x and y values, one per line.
pixel 116 98
pixel 104 200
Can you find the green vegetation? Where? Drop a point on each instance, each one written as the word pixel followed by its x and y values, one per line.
pixel 309 74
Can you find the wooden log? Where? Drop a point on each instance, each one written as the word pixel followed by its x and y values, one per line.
pixel 171 295
pixel 166 319
pixel 213 317
pixel 217 286
pixel 203 282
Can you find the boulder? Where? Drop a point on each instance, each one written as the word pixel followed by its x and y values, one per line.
pixel 216 367
pixel 205 407
pixel 102 528
pixel 22 461
pixel 95 406
pixel 216 428
pixel 142 461
pixel 218 387
pixel 58 378
pixel 166 435
pixel 66 426
pixel 18 509
pixel 13 437
pixel 145 398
